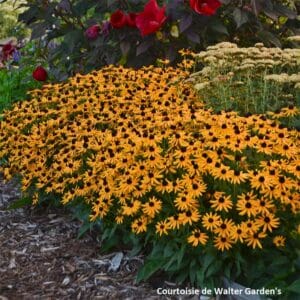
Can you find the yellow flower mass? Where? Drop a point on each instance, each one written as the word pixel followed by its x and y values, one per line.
pixel 143 152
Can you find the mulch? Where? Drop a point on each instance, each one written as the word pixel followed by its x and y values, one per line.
pixel 41 258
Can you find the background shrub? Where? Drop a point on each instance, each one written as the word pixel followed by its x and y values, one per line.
pixel 82 37
pixel 16 76
pixel 9 25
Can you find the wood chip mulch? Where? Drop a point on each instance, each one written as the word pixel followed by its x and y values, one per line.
pixel 41 258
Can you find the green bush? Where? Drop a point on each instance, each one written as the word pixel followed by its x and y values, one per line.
pixel 203 195
pixel 16 78
pixel 9 25
pixel 86 35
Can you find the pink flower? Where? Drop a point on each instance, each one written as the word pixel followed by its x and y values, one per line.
pixel 205 7
pixel 40 74
pixel 151 19
pixel 92 32
pixel 118 19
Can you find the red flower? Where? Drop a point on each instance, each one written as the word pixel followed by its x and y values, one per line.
pixel 92 32
pixel 118 19
pixel 131 19
pixel 151 19
pixel 40 74
pixel 7 50
pixel 205 7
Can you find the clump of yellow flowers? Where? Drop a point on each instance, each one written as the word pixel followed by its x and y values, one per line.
pixel 139 147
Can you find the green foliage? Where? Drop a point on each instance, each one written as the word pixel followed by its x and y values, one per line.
pixel 249 80
pixel 16 79
pixel 9 25
pixel 128 149
pixel 63 25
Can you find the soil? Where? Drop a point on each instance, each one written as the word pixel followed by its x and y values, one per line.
pixel 41 258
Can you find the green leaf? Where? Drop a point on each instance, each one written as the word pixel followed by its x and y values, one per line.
pixel 208 259
pixel 200 275
pixel 294 287
pixel 181 254
pixel 240 17
pixel 83 229
pixel 214 268
pixel 182 277
pixel 20 203
pixel 169 250
pixel 218 26
pixel 269 37
pixel 149 268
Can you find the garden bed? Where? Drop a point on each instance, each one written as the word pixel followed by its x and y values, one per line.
pixel 40 249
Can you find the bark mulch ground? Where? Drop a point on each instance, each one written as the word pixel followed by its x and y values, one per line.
pixel 41 258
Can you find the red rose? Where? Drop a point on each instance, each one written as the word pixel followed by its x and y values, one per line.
pixel 118 19
pixel 92 32
pixel 131 19
pixel 40 74
pixel 151 19
pixel 205 7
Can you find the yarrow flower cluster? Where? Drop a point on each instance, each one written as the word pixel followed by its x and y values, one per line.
pixel 140 149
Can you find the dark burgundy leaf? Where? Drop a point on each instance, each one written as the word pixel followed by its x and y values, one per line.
pixel 185 23
pixel 144 46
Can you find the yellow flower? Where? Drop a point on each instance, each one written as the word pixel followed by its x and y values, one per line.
pixel 197 238
pixel 279 241
pixel 139 225
pixel 254 239
pixel 245 207
pixel 223 242
pixel 221 202
pixel 185 202
pixel 224 228
pixel 190 217
pixel 131 208
pixel 267 222
pixel 211 221
pixel 152 207
pixel 162 227
pixel 174 222
pixel 238 233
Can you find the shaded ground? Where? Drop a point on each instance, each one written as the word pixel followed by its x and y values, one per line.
pixel 40 258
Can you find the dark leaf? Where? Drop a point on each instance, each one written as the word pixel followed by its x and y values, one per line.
pixel 218 27
pixel 38 30
pixel 171 54
pixel 125 47
pixel 144 46
pixel 256 6
pixel 29 15
pixel 266 36
pixel 64 5
pixel 193 36
pixel 295 287
pixel 285 11
pixel 240 17
pixel 185 22
pixel 111 2
pixel 268 9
